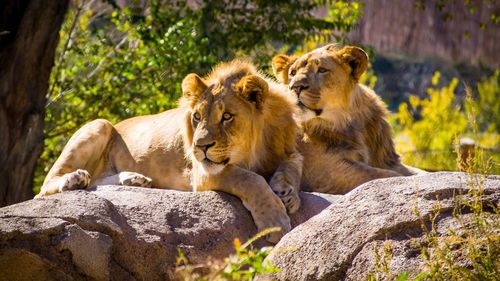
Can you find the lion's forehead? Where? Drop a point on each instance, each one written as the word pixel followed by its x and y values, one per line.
pixel 316 59
pixel 215 106
pixel 219 87
pixel 209 105
pixel 227 102
pixel 222 83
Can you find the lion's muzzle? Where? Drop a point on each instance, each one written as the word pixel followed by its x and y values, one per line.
pixel 204 145
pixel 298 85
pixel 209 155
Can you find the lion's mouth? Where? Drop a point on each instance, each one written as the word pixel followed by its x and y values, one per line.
pixel 303 106
pixel 209 161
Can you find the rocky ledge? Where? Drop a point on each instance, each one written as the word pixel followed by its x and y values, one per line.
pixel 340 242
pixel 126 233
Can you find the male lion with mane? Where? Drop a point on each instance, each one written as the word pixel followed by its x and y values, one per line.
pixel 346 138
pixel 233 131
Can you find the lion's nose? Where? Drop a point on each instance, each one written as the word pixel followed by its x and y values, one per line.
pixel 204 146
pixel 298 87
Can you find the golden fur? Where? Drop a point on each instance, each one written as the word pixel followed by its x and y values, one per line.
pixel 233 131
pixel 346 138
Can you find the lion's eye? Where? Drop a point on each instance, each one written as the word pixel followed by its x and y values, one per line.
pixel 293 72
pixel 227 116
pixel 197 116
pixel 322 70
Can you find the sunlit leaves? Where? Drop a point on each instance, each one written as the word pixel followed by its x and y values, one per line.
pixel 428 127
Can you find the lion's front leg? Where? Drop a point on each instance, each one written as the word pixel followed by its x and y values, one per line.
pixel 286 182
pixel 266 208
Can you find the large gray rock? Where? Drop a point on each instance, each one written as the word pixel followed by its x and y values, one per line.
pixel 124 233
pixel 339 243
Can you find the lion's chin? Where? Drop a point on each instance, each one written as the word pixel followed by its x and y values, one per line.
pixel 210 167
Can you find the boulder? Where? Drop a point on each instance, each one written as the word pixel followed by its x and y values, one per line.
pixel 339 243
pixel 124 233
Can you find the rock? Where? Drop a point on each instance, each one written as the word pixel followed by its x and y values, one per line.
pixel 339 243
pixel 124 233
pixel 399 28
pixel 17 264
pixel 91 251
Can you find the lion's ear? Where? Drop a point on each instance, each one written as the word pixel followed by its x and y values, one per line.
pixel 254 89
pixel 331 47
pixel 192 87
pixel 281 65
pixel 356 58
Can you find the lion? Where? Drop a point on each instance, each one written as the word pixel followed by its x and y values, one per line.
pixel 232 131
pixel 346 139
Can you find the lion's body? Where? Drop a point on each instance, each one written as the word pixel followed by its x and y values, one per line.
pixel 152 145
pixel 249 155
pixel 358 146
pixel 346 138
pixel 149 145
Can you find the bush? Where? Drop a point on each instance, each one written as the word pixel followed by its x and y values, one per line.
pixel 428 129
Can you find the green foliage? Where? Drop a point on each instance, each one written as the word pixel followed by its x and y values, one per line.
pixel 347 13
pixel 428 128
pixel 441 119
pixel 382 259
pixel 245 264
pixel 117 63
pixel 382 269
pixel 487 104
pixel 471 252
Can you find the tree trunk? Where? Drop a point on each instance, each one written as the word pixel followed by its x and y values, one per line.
pixel 29 32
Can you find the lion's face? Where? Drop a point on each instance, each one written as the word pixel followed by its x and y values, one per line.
pixel 222 112
pixel 323 77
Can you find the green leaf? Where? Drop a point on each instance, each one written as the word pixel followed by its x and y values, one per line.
pixel 403 276
pixel 422 276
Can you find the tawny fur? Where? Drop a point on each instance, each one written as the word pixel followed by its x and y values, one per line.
pixel 163 150
pixel 346 139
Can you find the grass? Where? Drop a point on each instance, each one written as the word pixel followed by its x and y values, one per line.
pixel 470 251
pixel 245 264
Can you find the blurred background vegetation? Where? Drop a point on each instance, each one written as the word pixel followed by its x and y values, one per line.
pixel 118 59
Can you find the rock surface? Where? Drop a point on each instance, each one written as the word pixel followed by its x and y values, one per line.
pixel 339 243
pixel 394 26
pixel 124 233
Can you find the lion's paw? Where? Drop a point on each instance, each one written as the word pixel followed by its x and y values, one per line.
pixel 286 192
pixel 274 220
pixel 291 202
pixel 134 179
pixel 272 214
pixel 285 226
pixel 79 179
